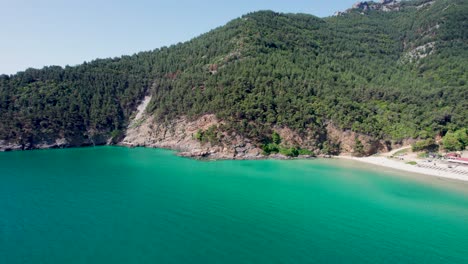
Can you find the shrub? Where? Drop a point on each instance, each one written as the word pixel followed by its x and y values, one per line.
pixel 358 148
pixel 270 148
pixel 454 141
pixel 290 152
pixel 425 145
pixel 306 152
pixel 276 138
pixel 198 135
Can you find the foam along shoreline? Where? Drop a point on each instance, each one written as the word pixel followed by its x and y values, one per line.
pixel 425 168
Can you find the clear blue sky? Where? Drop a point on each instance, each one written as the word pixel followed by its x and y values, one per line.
pixel 61 32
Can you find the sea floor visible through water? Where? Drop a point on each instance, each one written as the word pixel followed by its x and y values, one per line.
pixel 122 205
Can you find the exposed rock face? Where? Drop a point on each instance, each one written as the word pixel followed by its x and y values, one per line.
pixel 290 138
pixel 361 5
pixel 8 146
pixel 347 141
pixel 181 135
pixel 384 5
pixel 423 5
pixel 141 110
pixel 390 5
pixel 364 6
pixel 339 13
pixel 420 52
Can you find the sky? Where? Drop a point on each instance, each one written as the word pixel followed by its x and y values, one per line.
pixel 53 32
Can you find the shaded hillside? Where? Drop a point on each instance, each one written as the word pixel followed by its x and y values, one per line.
pixel 390 75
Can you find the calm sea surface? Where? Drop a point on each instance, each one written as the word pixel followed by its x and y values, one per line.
pixel 120 205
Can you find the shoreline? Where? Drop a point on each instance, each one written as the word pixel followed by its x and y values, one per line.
pixel 383 161
pixel 380 161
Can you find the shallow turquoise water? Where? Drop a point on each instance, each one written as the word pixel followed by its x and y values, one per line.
pixel 119 205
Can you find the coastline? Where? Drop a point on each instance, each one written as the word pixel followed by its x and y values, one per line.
pixel 422 168
pixel 384 161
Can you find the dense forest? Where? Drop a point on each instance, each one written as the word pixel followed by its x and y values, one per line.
pixel 390 75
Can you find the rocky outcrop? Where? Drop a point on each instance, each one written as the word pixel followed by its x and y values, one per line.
pixel 420 52
pixel 205 137
pixel 384 5
pixel 389 5
pixel 9 146
pixel 346 139
pixel 339 13
pixel 424 5
pixel 361 5
pixel 185 135
pixel 181 134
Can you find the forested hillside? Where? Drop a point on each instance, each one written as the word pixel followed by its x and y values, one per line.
pixel 391 75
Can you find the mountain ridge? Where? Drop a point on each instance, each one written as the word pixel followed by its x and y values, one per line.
pixel 387 77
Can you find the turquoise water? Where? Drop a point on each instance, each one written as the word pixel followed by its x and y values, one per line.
pixel 119 205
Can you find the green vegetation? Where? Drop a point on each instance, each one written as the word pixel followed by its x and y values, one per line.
pixel 273 146
pixel 401 152
pixel 270 148
pixel 264 70
pixel 212 135
pixel 305 152
pixel 275 138
pixel 412 163
pixel 457 140
pixel 358 148
pixel 423 155
pixel 330 148
pixel 73 102
pixel 428 145
pixel 198 135
pixel 116 134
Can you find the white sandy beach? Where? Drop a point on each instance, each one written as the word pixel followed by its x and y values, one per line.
pixel 424 168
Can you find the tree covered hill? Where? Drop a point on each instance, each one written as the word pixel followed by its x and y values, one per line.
pixel 391 75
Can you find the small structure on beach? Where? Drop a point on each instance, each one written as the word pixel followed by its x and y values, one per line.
pixel 452 156
pixel 459 160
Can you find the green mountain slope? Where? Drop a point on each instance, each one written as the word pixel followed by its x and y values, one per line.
pixel 389 75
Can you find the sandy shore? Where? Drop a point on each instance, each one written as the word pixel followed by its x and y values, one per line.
pixel 436 171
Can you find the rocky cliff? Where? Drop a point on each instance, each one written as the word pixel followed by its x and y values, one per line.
pixel 385 6
pixel 182 135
